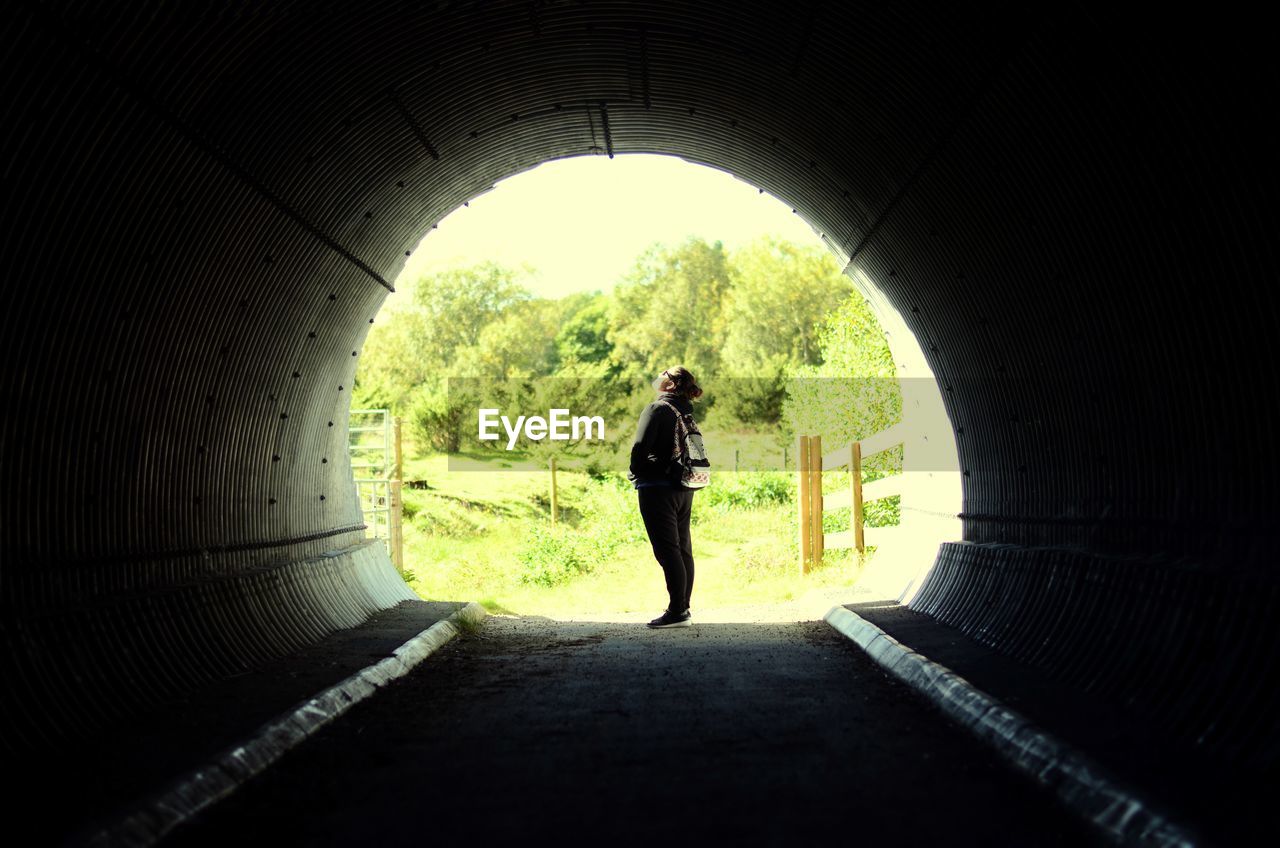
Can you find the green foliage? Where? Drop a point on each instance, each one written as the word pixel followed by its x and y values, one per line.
pixel 853 392
pixel 474 321
pixel 669 311
pixel 745 490
pixel 583 336
pixel 437 415
pixel 779 295
pixel 744 324
pixel 608 520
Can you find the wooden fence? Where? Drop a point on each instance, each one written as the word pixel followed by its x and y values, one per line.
pixel 812 463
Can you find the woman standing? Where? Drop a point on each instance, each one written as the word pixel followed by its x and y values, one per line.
pixel 665 504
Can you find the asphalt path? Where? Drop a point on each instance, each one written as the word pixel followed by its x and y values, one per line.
pixel 610 733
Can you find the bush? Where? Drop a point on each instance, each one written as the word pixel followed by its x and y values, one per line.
pixel 552 556
pixel 608 519
pixel 436 417
pixel 747 490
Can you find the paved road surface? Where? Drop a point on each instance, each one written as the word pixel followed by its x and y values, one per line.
pixel 604 733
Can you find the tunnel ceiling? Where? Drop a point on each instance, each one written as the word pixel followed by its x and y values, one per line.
pixel 1071 210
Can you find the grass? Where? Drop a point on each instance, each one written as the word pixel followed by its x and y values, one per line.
pixel 484 534
pixel 467 623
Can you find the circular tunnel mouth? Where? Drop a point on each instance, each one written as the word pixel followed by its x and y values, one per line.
pixel 924 492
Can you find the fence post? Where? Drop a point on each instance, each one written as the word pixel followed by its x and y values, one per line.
pixel 855 490
pixel 399 471
pixel 396 528
pixel 815 496
pixel 802 455
pixel 554 503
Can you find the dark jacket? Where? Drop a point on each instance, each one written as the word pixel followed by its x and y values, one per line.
pixel 655 440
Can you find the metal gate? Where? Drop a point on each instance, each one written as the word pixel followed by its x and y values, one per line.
pixel 374 446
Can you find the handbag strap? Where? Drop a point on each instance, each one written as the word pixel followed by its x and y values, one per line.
pixel 681 430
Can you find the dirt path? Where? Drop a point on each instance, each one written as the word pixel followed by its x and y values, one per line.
pixel 598 732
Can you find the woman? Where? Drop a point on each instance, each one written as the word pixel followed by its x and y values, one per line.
pixel 664 503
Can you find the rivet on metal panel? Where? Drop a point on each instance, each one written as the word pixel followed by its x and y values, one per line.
pixel 322 497
pixel 268 259
pixel 966 472
pixel 330 423
pixel 332 296
pixel 893 273
pixel 368 214
pixel 271 501
pixel 324 460
pixel 339 388
pixel 275 457
pixel 353 353
pixel 284 415
pixel 311 335
pixel 296 375
pixel 959 430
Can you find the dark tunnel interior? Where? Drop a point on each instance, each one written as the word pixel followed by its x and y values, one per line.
pixel 1071 207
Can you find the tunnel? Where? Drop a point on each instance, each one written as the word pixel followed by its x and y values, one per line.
pixel 1069 207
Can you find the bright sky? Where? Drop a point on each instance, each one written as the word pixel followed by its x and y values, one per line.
pixel 578 224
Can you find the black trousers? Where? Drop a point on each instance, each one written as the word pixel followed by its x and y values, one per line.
pixel 665 510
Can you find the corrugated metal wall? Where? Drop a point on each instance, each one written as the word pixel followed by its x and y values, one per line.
pixel 1073 213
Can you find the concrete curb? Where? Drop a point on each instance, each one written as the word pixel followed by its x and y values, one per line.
pixel 211 783
pixel 1083 785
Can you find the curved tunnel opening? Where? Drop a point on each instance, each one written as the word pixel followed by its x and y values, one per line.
pixel 178 374
pixel 657 201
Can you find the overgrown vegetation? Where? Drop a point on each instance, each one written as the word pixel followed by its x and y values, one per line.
pixel 782 344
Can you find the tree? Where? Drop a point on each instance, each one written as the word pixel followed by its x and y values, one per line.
pixel 854 391
pixel 781 291
pixel 669 310
pixel 419 342
pixel 779 295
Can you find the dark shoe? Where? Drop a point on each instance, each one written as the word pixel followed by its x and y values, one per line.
pixel 669 620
